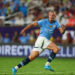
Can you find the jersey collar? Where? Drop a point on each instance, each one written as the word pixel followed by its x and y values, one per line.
pixel 51 22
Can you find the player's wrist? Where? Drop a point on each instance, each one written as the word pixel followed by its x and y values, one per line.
pixel 63 27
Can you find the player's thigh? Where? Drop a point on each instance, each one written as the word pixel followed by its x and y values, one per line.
pixel 33 55
pixel 52 46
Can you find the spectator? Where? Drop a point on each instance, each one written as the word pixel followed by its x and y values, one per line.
pixel 73 11
pixel 37 3
pixel 19 20
pixel 9 12
pixel 71 21
pixel 12 21
pixel 4 10
pixel 61 7
pixel 64 20
pixel 5 1
pixel 29 18
pixel 69 38
pixel 16 2
pixel 26 3
pixel 45 2
pixel 73 2
pixel 24 9
pixel 1 38
pixel 15 38
pixel 24 38
pixel 32 36
pixel 37 12
pixel 12 6
pixel 61 15
pixel 1 21
pixel 67 3
pixel 49 7
pixel 6 38
pixel 1 4
pixel 3 14
pixel 16 8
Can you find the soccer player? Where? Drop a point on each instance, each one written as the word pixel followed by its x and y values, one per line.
pixel 47 27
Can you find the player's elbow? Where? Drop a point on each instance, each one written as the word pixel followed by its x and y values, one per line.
pixel 56 50
pixel 34 24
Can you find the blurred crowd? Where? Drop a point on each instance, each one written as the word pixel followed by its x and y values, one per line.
pixel 21 12
pixel 24 12
pixel 17 38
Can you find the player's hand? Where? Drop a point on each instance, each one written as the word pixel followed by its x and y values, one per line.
pixel 64 27
pixel 22 31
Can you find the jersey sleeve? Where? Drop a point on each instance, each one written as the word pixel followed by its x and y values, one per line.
pixel 58 25
pixel 40 23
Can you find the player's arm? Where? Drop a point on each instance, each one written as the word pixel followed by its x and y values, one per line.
pixel 28 27
pixel 62 29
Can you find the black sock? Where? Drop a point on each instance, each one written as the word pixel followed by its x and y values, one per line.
pixel 24 62
pixel 51 57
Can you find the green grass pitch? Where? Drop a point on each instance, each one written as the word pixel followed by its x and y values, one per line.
pixel 62 66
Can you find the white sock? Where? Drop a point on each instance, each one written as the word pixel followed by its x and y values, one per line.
pixel 47 63
pixel 16 67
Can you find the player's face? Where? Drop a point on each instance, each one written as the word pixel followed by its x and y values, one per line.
pixel 52 16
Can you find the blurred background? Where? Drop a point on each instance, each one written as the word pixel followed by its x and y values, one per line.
pixel 17 14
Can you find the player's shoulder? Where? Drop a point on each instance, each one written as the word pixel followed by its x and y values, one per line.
pixel 56 22
pixel 43 20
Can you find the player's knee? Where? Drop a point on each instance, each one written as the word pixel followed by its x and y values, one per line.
pixel 56 50
pixel 31 57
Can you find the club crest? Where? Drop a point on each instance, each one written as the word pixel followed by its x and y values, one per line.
pixel 50 26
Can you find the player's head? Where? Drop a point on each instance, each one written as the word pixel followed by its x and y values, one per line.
pixel 52 15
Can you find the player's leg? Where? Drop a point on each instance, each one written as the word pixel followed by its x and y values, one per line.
pixel 35 52
pixel 32 56
pixel 52 46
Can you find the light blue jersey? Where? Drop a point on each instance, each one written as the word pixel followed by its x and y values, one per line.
pixel 47 28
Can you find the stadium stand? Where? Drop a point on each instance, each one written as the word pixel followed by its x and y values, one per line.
pixel 19 13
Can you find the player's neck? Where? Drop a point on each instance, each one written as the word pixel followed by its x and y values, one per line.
pixel 51 21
